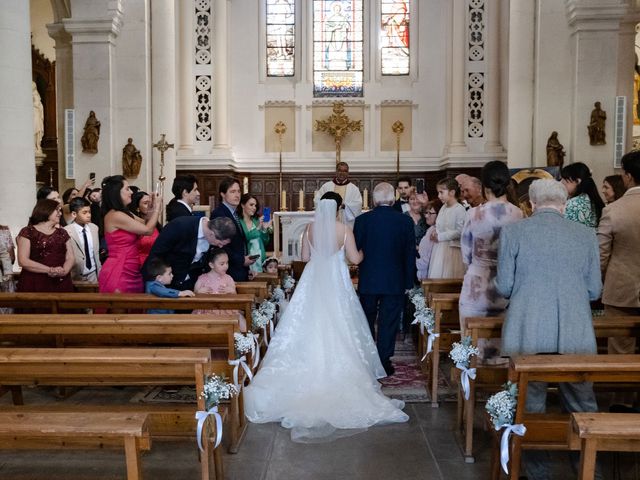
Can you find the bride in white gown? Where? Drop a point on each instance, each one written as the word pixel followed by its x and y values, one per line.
pixel 319 376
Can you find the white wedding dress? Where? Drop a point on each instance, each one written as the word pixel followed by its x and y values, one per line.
pixel 319 376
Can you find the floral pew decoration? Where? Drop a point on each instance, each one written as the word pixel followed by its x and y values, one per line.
pixel 262 317
pixel 461 353
pixel 424 317
pixel 501 408
pixel 280 299
pixel 288 284
pixel 216 389
pixel 244 343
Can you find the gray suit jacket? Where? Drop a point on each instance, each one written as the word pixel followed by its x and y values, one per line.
pixel 78 249
pixel 549 267
pixel 619 237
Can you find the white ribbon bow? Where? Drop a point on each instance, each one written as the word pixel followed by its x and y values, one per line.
pixel 518 429
pixel 271 327
pixel 264 336
pixel 240 362
pixel 430 339
pixel 201 416
pixel 255 350
pixel 465 374
pixel 418 322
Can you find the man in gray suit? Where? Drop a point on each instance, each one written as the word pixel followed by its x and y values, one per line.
pixel 85 243
pixel 619 237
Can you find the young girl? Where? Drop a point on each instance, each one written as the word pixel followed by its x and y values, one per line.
pixel 446 258
pixel 270 265
pixel 217 281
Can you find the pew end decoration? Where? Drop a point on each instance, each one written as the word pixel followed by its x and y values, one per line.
pixel 424 317
pixel 288 282
pixel 244 343
pixel 262 317
pixel 461 353
pixel 501 408
pixel 216 389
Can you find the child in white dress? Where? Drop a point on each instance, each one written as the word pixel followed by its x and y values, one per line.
pixel 446 257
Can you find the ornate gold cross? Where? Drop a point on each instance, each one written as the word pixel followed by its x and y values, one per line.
pixel 162 146
pixel 338 125
pixel 397 128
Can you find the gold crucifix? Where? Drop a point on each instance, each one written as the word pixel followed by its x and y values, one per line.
pixel 397 128
pixel 162 146
pixel 280 128
pixel 338 125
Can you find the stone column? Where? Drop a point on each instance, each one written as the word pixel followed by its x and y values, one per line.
pixel 492 124
pixel 164 88
pixel 595 31
pixel 185 58
pixel 94 27
pixel 626 63
pixel 458 96
pixel 64 93
pixel 17 162
pixel 521 81
pixel 220 74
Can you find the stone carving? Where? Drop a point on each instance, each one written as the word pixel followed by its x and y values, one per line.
pixel 38 118
pixel 131 160
pixel 555 151
pixel 596 126
pixel 91 134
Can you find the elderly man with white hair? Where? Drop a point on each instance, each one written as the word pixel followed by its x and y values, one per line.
pixel 386 238
pixel 549 268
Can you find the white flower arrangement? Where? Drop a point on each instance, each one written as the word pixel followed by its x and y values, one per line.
pixel 425 317
pixel 502 406
pixel 461 352
pixel 243 342
pixel 258 319
pixel 288 282
pixel 267 308
pixel 216 389
pixel 278 295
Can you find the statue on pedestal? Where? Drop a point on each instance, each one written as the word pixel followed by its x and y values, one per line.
pixel 131 160
pixel 555 151
pixel 596 126
pixel 38 119
pixel 91 134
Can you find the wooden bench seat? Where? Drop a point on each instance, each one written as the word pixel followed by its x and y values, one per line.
pixel 618 432
pixel 46 430
pixel 115 366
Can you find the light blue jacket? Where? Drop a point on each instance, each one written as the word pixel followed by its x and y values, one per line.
pixel 549 268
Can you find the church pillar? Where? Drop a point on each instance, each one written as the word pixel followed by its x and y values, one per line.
pixel 185 56
pixel 492 125
pixel 64 92
pixel 220 75
pixel 521 82
pixel 595 41
pixel 458 55
pixel 164 88
pixel 94 27
pixel 18 192
pixel 626 64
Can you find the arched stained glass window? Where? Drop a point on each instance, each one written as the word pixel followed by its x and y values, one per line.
pixel 394 37
pixel 281 30
pixel 338 60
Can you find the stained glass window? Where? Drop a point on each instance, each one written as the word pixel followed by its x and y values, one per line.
pixel 337 48
pixel 394 37
pixel 281 29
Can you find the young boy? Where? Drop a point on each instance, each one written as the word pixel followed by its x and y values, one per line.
pixel 160 275
pixel 85 243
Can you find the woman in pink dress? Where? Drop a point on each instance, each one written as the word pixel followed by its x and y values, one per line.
pixel 121 271
pixel 140 203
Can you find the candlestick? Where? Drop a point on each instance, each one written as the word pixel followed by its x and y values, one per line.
pixel 283 201
pixel 301 201
pixel 245 185
pixel 365 199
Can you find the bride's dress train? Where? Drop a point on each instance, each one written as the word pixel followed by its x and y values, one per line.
pixel 319 376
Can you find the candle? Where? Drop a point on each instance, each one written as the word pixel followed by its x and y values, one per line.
pixel 301 200
pixel 245 185
pixel 365 199
pixel 283 200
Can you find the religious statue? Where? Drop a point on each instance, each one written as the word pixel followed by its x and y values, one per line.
pixel 131 160
pixel 555 151
pixel 91 134
pixel 596 126
pixel 38 118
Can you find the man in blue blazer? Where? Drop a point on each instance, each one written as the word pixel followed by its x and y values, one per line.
pixel 239 261
pixel 387 240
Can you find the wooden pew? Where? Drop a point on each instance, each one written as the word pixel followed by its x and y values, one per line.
pixel 259 289
pixel 135 330
pixel 116 366
pixel 490 378
pixel 549 431
pixel 57 302
pixel 610 432
pixel 51 429
pixel 272 279
pixel 445 309
pixel 437 285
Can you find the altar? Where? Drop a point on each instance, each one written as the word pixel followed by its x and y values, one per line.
pixel 292 225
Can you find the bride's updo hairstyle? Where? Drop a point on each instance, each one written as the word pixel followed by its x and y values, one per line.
pixel 333 196
pixel 495 177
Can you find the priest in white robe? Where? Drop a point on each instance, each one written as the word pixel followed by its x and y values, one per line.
pixel 351 196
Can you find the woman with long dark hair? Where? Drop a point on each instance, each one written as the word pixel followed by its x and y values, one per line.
pixel 584 204
pixel 612 188
pixel 140 206
pixel 121 271
pixel 256 231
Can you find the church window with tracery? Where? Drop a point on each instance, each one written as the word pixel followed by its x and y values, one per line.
pixel 338 59
pixel 394 37
pixel 281 30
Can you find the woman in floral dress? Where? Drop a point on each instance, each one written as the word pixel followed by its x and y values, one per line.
pixel 584 204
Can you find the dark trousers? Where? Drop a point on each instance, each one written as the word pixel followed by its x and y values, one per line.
pixel 387 309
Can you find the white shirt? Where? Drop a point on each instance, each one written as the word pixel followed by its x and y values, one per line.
pixel 79 228
pixel 202 245
pixel 186 205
